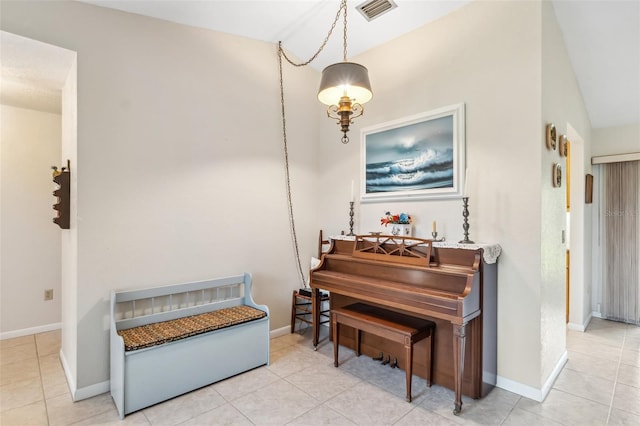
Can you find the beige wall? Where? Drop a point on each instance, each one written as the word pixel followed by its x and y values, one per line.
pixel 180 162
pixel 30 244
pixel 562 105
pixel 488 55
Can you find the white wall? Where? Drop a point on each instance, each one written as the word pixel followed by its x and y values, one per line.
pixel 616 140
pixel 69 264
pixel 180 162
pixel 562 105
pixel 493 57
pixel 30 242
pixel 487 55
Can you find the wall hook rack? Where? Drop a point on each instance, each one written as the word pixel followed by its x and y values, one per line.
pixel 62 178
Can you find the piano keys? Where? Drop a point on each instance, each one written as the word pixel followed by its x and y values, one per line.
pixel 452 287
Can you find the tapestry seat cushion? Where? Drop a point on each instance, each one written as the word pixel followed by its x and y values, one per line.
pixel 158 333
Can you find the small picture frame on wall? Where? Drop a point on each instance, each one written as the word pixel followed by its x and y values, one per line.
pixel 557 175
pixel 562 145
pixel 551 136
pixel 588 189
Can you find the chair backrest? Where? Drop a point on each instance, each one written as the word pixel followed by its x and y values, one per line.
pixel 322 242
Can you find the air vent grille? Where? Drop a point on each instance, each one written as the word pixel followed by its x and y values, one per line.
pixel 374 8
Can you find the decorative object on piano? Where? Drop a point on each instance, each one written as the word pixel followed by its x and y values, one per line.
pixel 400 224
pixel 350 218
pixel 417 157
pixel 465 225
pixel 62 178
pixel 562 145
pixel 557 175
pixel 588 189
pixel 434 233
pixel 551 137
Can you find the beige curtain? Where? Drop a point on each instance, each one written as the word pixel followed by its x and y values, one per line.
pixel 620 225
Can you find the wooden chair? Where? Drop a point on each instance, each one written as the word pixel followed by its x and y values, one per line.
pixel 301 304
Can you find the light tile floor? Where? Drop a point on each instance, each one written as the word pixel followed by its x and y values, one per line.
pixel 600 385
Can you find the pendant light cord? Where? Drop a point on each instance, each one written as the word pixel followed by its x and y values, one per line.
pixel 292 224
pixel 343 8
pixel 281 54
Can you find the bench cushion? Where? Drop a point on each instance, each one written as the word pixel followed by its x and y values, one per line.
pixel 158 333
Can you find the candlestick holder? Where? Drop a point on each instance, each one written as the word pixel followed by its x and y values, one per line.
pixel 434 234
pixel 350 218
pixel 465 225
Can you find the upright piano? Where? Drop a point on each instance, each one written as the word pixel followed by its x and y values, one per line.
pixel 450 286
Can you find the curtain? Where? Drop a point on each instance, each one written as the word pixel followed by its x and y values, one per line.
pixel 619 225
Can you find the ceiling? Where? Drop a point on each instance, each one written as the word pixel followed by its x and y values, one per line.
pixel 602 38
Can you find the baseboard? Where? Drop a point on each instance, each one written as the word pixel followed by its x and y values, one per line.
pixel 519 388
pixel 278 332
pixel 71 381
pixel 530 392
pixel 546 388
pixel 31 330
pixel 580 327
pixel 78 394
pixel 91 391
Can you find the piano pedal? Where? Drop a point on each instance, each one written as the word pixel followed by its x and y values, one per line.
pixel 379 357
pixel 387 360
pixel 394 364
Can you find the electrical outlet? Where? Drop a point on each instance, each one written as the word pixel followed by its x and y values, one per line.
pixel 48 294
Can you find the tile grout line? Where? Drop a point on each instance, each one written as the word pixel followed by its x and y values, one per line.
pixel 44 397
pixel 615 381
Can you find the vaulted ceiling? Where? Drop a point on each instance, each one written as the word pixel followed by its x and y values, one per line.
pixel 602 38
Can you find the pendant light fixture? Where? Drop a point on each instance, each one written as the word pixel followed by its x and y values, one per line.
pixel 344 87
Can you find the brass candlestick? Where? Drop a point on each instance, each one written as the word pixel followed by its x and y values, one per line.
pixel 465 225
pixel 350 218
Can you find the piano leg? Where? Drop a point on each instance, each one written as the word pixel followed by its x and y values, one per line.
pixel 336 339
pixel 458 364
pixel 408 349
pixel 315 313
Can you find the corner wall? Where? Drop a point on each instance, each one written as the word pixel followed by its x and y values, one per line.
pixel 487 55
pixel 563 106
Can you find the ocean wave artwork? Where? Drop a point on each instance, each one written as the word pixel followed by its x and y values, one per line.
pixel 419 156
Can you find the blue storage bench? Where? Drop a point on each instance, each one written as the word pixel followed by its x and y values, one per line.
pixel 166 341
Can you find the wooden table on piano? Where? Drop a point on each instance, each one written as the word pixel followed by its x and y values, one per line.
pixel 452 287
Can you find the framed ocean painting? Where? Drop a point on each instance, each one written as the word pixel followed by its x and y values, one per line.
pixel 417 157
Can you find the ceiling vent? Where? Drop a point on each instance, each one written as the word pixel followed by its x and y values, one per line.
pixel 374 8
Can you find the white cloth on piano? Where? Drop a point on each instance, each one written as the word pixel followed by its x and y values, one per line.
pixel 490 252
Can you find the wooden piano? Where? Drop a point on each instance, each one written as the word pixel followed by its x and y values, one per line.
pixel 452 287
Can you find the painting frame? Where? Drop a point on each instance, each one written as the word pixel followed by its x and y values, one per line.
pixel 433 144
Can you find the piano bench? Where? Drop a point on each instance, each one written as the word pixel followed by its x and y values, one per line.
pixel 387 324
